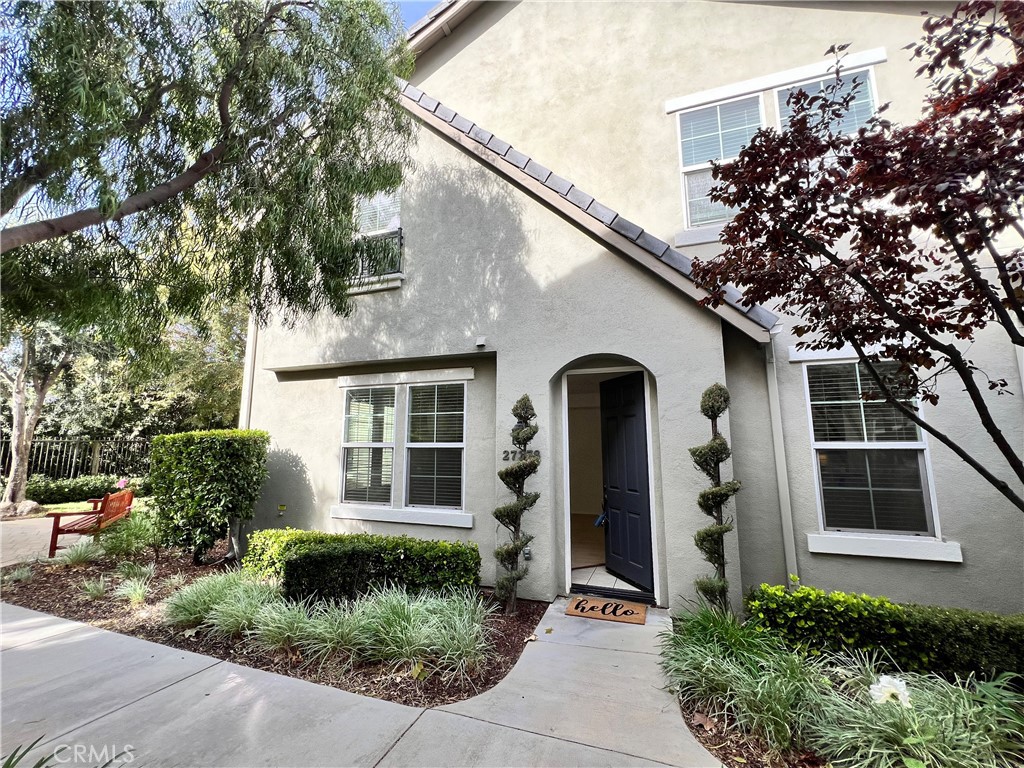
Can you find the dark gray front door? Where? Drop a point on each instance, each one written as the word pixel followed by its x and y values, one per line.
pixel 627 543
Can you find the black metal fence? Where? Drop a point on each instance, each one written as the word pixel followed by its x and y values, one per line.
pixel 67 458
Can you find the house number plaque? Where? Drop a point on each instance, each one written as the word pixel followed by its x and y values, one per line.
pixel 518 455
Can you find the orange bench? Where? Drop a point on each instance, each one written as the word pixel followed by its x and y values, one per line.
pixel 104 512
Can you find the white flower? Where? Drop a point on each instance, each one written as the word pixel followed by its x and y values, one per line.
pixel 889 688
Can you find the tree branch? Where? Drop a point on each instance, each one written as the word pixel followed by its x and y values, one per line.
pixel 1001 485
pixel 956 359
pixel 971 270
pixel 1004 275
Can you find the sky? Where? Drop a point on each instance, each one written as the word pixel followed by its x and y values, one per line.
pixel 414 10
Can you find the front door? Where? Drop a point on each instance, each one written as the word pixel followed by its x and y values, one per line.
pixel 628 553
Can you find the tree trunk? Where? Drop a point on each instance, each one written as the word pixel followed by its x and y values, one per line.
pixel 17 478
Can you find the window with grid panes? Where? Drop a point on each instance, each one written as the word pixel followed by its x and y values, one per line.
pixel 369 445
pixel 862 108
pixel 435 445
pixel 870 457
pixel 716 132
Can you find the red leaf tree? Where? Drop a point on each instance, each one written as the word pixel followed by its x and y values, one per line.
pixel 900 241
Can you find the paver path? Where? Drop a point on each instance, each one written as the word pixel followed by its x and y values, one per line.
pixel 24 540
pixel 587 693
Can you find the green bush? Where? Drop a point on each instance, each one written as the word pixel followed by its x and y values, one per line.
pixel 132 535
pixel 203 480
pixel 341 566
pixel 48 491
pixel 947 641
pixel 191 605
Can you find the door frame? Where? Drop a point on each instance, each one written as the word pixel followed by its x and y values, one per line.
pixel 566 469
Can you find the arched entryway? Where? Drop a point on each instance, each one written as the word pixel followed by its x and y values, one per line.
pixel 609 514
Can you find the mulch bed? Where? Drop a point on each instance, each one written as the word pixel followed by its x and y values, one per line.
pixel 737 750
pixel 56 590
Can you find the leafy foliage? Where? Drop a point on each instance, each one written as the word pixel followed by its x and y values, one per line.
pixel 82 552
pixel 510 516
pixel 236 613
pixel 948 641
pixel 132 535
pixel 897 241
pixel 82 488
pixel 203 480
pixel 195 152
pixel 135 590
pixel 745 677
pixel 336 566
pixel 708 458
pixel 191 605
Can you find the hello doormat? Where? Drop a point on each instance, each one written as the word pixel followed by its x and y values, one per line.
pixel 606 609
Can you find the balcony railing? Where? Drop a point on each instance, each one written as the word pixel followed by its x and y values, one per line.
pixel 382 256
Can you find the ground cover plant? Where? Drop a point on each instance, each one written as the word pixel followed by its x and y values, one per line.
pixel 420 649
pixel 849 710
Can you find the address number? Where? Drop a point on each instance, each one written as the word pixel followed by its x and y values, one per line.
pixel 518 455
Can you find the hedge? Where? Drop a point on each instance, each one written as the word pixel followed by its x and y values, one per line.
pixel 46 490
pixel 338 566
pixel 203 480
pixel 920 638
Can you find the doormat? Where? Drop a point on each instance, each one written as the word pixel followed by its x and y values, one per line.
pixel 606 609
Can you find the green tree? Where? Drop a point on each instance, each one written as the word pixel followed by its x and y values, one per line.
pixel 709 458
pixel 254 127
pixel 510 515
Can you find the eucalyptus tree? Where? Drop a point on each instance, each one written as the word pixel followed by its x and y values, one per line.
pixel 159 156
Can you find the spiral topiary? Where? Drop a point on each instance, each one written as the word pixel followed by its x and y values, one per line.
pixel 708 458
pixel 510 516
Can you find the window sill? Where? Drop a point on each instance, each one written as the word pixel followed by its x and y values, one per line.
pixel 881 545
pixel 375 284
pixel 699 235
pixel 446 518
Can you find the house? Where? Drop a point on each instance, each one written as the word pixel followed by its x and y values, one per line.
pixel 556 198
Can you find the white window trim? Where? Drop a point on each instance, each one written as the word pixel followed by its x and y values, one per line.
pixel 376 284
pixel 867 542
pixel 847 73
pixel 435 516
pixel 707 228
pixel 345 445
pixel 805 73
pixel 411 446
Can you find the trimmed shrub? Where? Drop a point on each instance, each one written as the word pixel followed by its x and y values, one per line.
pixel 202 481
pixel 48 491
pixel 947 641
pixel 338 566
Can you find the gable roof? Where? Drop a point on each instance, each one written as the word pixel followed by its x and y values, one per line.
pixel 597 220
pixel 438 23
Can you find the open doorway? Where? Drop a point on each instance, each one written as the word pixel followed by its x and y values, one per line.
pixel 610 517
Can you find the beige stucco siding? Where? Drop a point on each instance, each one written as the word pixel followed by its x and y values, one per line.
pixel 485 260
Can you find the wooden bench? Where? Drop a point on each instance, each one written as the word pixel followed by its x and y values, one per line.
pixel 104 512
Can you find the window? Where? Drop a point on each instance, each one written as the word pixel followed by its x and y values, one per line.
pixel 436 423
pixel 716 132
pixel 862 108
pixel 379 224
pixel 433 445
pixel 369 445
pixel 870 458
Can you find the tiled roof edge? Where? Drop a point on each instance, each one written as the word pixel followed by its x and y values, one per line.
pixel 586 203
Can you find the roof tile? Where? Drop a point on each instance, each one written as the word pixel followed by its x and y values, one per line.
pixel 480 134
pixel 538 171
pixel 678 262
pixel 460 123
pixel 517 158
pixel 429 103
pixel 557 183
pixel 412 92
pixel 498 146
pixel 602 213
pixel 445 113
pixel 651 244
pixel 578 197
pixel 626 228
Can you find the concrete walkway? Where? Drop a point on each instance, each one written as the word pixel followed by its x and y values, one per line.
pixel 587 693
pixel 22 541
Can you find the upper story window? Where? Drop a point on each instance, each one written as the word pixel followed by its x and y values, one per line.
pixel 379 221
pixel 716 132
pixel 861 109
pixel 870 459
pixel 716 124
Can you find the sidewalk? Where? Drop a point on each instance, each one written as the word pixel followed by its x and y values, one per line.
pixel 22 541
pixel 586 694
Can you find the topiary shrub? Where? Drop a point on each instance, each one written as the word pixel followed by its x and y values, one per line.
pixel 339 566
pixel 204 481
pixel 916 638
pixel 510 516
pixel 708 458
